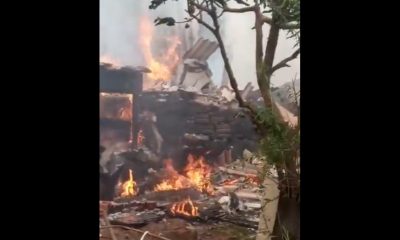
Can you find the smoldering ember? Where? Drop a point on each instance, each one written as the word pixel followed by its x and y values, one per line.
pixel 180 158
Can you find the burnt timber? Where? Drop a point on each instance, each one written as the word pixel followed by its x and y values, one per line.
pixel 180 113
pixel 123 80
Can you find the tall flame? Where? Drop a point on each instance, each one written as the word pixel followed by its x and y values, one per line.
pixel 129 188
pixel 161 67
pixel 196 174
pixel 199 173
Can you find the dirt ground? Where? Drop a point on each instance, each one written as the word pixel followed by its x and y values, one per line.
pixel 178 229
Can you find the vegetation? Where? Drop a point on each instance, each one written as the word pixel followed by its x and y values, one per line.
pixel 280 142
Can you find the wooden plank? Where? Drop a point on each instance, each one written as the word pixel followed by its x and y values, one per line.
pixel 244 173
pixel 248 195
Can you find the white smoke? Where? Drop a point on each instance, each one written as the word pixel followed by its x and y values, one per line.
pixel 119 38
pixel 119 28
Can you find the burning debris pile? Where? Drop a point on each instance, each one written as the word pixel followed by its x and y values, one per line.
pixel 201 193
pixel 196 175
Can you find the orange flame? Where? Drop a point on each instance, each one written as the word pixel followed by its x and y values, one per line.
pixel 196 174
pixel 163 66
pixel 116 106
pixel 199 174
pixel 125 113
pixel 174 181
pixel 129 188
pixel 185 208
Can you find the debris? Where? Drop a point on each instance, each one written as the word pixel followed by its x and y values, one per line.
pixel 228 155
pixel 253 205
pixel 247 155
pixel 231 203
pixel 228 94
pixel 245 221
pixel 240 173
pixel 248 195
pixel 107 222
pixel 227 188
pixel 136 218
pixel 247 90
pixel 199 137
pixel 195 73
pixel 207 127
pixel 136 230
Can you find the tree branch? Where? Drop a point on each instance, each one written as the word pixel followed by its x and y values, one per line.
pixel 286 26
pixel 270 49
pixel 252 109
pixel 290 26
pixel 202 8
pixel 186 21
pixel 284 62
pixel 226 9
pixel 259 41
pixel 200 21
pixel 242 2
pixel 266 19
pixel 239 10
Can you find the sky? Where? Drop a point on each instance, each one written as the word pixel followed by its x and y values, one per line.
pixel 119 39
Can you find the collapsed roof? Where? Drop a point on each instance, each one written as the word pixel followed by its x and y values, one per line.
pixel 120 80
pixel 193 73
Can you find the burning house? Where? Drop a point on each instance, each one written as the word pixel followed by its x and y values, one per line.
pixel 175 150
pixel 178 156
pixel 166 154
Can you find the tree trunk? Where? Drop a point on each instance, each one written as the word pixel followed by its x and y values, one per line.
pixel 289 208
pixel 293 178
pixel 232 79
pixel 288 218
pixel 263 83
pixel 264 70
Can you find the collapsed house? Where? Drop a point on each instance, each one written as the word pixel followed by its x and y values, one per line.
pixel 181 152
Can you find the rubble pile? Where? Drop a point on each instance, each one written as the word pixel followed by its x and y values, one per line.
pixel 168 124
pixel 199 123
pixel 236 200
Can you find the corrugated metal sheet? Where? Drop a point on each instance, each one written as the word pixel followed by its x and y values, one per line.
pixel 201 50
pixel 195 73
